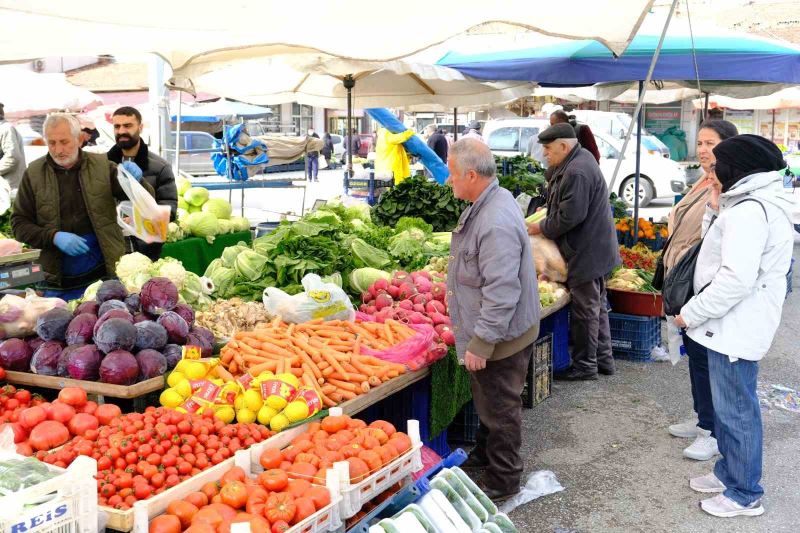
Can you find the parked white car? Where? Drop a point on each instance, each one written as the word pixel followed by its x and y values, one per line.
pixel 659 177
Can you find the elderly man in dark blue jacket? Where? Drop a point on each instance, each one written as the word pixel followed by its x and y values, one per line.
pixel 579 220
pixel 493 300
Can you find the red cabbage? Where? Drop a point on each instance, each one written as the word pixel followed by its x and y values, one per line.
pixel 142 317
pixel 114 313
pixel 133 302
pixel 186 312
pixel 150 335
pixel 151 363
pixel 176 326
pixel 45 358
pixel 81 329
pixel 15 354
pixel 173 353
pixel 119 368
pixel 63 359
pixel 108 305
pixel 158 295
pixel 116 334
pixel 52 325
pixel 84 363
pixel 91 307
pixel 111 289
pixel 35 342
pixel 205 333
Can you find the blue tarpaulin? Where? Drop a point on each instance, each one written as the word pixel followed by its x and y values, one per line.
pixel 241 161
pixel 221 109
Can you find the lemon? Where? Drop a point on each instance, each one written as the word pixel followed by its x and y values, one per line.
pixel 253 400
pixel 225 413
pixel 181 410
pixel 174 378
pixel 181 366
pixel 217 381
pixel 276 402
pixel 265 414
pixel 278 422
pixel 291 379
pixel 170 398
pixel 183 387
pixel 195 370
pixel 296 411
pixel 238 403
pixel 245 416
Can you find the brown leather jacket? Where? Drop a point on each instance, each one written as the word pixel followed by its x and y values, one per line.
pixel 686 223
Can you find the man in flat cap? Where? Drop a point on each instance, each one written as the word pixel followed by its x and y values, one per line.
pixel 579 221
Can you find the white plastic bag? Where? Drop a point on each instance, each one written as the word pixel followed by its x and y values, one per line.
pixel 319 300
pixel 548 259
pixel 18 315
pixel 540 483
pixel 674 341
pixel 150 220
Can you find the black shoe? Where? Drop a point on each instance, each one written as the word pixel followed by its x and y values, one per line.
pixel 606 371
pixel 474 462
pixel 498 496
pixel 572 374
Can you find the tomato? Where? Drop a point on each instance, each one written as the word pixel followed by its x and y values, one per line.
pixel 372 458
pixel 302 471
pixel 281 526
pixel 305 508
pixel 23 396
pixel 210 489
pixel 108 490
pixel 321 497
pixel 234 493
pixel 172 480
pixel 358 469
pixel 274 480
pixel 257 501
pixel 270 458
pixel 48 435
pixel 74 396
pixel 2 373
pixel 184 510
pixel 32 416
pixel 158 480
pixel 184 468
pixel 169 460
pixel 81 423
pixel 20 434
pixel 61 412
pixel 255 523
pixel 298 487
pixel 142 491
pixel 280 506
pixel 234 474
pixel 332 424
pixel 200 528
pixel 166 523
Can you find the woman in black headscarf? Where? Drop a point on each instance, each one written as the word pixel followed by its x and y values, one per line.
pixel 740 285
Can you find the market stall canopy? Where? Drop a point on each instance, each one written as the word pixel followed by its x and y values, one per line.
pixel 221 109
pixel 316 79
pixel 784 99
pixel 203 32
pixel 25 93
pixel 683 57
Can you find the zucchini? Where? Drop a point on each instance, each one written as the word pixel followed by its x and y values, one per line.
pixel 389 526
pixel 537 216
pixel 407 522
pixel 480 511
pixel 421 517
pixel 504 523
pixel 475 490
pixel 443 515
pixel 492 528
pixel 461 507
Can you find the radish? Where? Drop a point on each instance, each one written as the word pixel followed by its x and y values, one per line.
pixel 420 299
pixel 419 308
pixel 406 304
pixel 423 284
pixel 383 300
pixel 439 318
pixel 407 290
pixel 439 291
pixel 384 314
pixel 399 278
pixel 435 306
pixel 437 352
pixel 394 292
pixel 448 338
pixel 417 318
pixel 441 328
pixel 423 274
pixel 371 310
pixel 367 297
pixel 381 284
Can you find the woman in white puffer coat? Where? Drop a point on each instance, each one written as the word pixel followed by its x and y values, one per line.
pixel 740 286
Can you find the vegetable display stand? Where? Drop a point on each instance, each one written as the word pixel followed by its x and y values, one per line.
pixel 65 503
pixel 636 303
pixel 196 254
pixel 539 381
pixel 137 392
pixel 19 270
pixel 368 186
pixel 633 337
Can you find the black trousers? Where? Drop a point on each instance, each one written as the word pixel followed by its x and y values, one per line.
pixel 589 330
pixel 701 383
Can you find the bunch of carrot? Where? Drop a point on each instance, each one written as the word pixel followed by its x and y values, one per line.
pixel 323 355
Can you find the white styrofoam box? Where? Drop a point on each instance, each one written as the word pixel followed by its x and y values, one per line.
pixel 354 496
pixel 68 502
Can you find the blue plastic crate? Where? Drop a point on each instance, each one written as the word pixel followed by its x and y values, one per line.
pixel 464 428
pixel 558 325
pixel 789 278
pixel 633 337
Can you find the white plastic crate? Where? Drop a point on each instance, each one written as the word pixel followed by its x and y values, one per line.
pixel 69 503
pixel 355 496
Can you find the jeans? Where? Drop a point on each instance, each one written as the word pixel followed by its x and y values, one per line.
pixel 589 329
pixel 701 386
pixel 313 166
pixel 738 426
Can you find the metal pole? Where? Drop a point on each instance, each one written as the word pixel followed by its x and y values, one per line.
pixel 705 108
pixel 641 95
pixel 349 83
pixel 636 179
pixel 229 167
pixel 178 137
pixel 455 124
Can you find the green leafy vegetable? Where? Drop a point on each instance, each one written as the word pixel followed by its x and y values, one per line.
pixel 418 197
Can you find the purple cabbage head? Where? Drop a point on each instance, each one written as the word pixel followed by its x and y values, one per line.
pixel 111 289
pixel 84 363
pixel 108 305
pixel 176 326
pixel 35 342
pixel 52 325
pixel 150 335
pixel 81 329
pixel 133 302
pixel 151 363
pixel 119 368
pixel 114 313
pixel 45 358
pixel 116 334
pixel 63 359
pixel 186 312
pixel 173 353
pixel 205 333
pixel 15 354
pixel 142 317
pixel 91 307
pixel 158 295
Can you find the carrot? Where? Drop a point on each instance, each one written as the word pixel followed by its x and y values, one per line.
pixel 347 395
pixel 365 386
pixel 308 363
pixel 279 367
pixel 336 396
pixel 223 374
pixel 226 355
pixel 328 388
pixel 387 329
pixel 327 372
pixel 344 385
pixel 298 372
pixel 374 381
pixel 257 369
pixel 334 362
pixel 234 367
pixel 354 378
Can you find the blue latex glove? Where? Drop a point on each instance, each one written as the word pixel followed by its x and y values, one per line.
pixel 133 169
pixel 70 244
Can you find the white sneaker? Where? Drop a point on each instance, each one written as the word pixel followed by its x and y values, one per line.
pixel 685 430
pixel 703 448
pixel 722 506
pixel 708 483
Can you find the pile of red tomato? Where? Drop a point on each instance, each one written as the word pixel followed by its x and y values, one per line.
pixel 39 426
pixel 141 454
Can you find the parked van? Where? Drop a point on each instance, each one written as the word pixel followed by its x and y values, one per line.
pixel 511 136
pixel 616 124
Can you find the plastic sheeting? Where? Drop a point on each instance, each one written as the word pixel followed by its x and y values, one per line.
pixel 25 93
pixel 249 154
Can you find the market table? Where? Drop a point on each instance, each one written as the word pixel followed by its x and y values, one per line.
pixel 196 253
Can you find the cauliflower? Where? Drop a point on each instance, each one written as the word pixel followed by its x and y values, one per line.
pixel 131 264
pixel 171 269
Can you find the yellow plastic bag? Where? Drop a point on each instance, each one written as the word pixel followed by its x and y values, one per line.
pixel 149 219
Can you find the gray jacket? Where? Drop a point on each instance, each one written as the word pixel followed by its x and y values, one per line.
pixel 12 154
pixel 579 218
pixel 492 292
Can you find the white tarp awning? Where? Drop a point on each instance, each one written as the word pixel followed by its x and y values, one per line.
pixel 316 80
pixel 784 99
pixel 24 93
pixel 213 33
